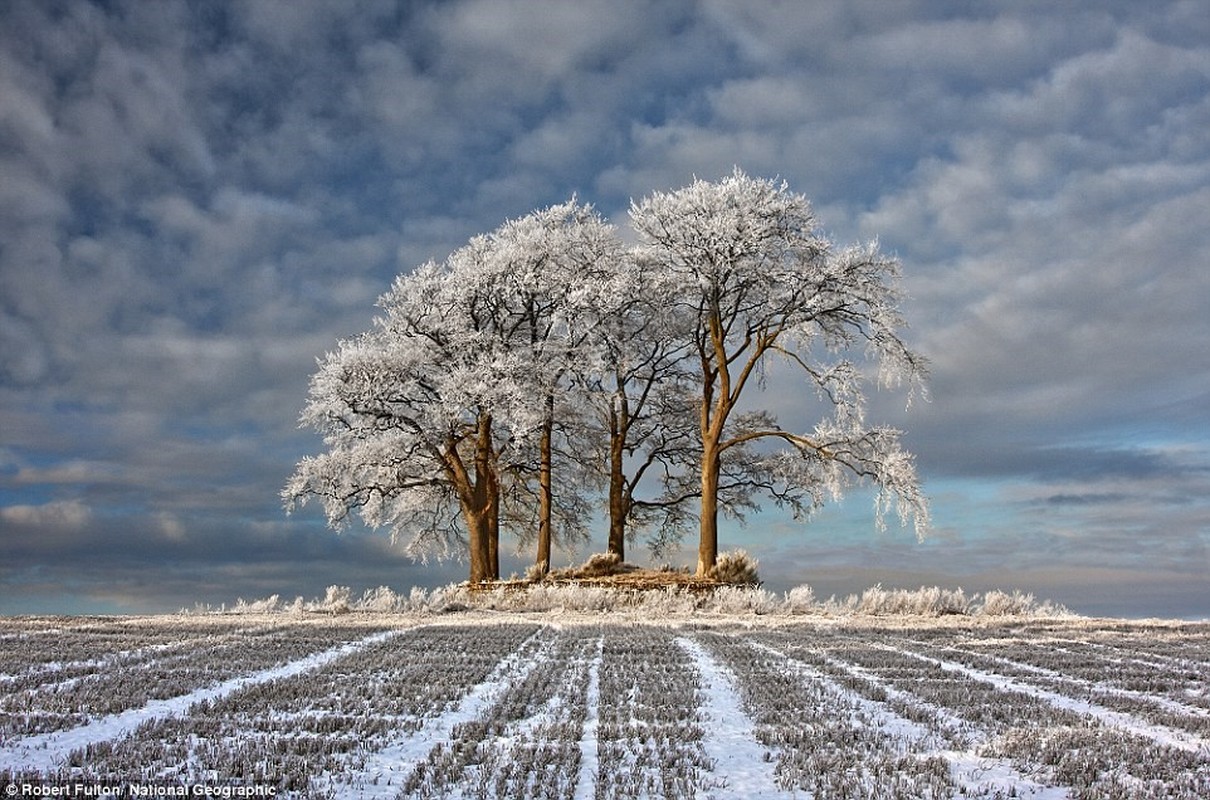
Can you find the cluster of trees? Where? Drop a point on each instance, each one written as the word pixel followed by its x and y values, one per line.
pixel 547 364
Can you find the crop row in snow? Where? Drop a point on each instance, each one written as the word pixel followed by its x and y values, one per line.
pixel 589 707
pixel 49 686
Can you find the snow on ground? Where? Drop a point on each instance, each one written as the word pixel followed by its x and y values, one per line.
pixel 996 778
pixel 1091 688
pixel 388 767
pixel 822 654
pixel 592 720
pixel 1157 733
pixel 987 775
pixel 50 750
pixel 741 767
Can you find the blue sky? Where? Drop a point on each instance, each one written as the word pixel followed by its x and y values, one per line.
pixel 197 200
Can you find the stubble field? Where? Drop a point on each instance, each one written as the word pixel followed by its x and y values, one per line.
pixel 494 705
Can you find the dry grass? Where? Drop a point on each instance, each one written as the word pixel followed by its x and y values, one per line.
pixel 597 573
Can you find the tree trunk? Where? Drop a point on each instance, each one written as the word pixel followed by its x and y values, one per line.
pixel 478 498
pixel 617 519
pixel 546 488
pixel 484 520
pixel 713 412
pixel 478 526
pixel 493 539
pixel 707 549
pixel 618 505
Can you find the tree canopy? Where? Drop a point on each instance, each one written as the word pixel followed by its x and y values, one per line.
pixel 758 282
pixel 546 363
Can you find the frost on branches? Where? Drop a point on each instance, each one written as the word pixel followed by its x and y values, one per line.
pixel 439 419
pixel 758 282
pixel 545 363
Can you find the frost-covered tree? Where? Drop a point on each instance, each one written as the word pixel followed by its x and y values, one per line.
pixel 454 399
pixel 543 348
pixel 539 277
pixel 760 283
pixel 639 388
pixel 406 410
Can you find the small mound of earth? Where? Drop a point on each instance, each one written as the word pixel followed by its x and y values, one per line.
pixel 617 576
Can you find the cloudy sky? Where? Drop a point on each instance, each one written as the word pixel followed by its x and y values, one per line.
pixel 199 199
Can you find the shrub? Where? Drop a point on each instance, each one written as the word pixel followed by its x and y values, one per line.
pixel 382 599
pixel 927 601
pixel 1018 604
pixel 736 567
pixel 536 572
pixel 336 600
pixel 599 565
pixel 667 602
pixel 740 599
pixel 417 600
pixel 544 598
pixel 1003 604
pixel 800 600
pixel 268 605
pixel 442 600
pixel 742 595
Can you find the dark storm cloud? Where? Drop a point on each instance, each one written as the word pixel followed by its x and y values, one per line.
pixel 198 199
pixel 167 562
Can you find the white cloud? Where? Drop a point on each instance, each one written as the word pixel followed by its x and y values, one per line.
pixel 24 360
pixel 1055 248
pixel 171 527
pixel 531 45
pixel 69 515
pixel 1110 92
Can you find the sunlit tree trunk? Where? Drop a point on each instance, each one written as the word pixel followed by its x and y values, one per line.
pixel 707 550
pixel 480 500
pixel 715 409
pixel 478 526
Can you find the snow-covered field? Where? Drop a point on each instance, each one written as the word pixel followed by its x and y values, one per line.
pixel 500 705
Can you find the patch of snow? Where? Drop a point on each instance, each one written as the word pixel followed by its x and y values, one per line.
pixel 889 721
pixel 996 777
pixel 589 763
pixel 740 765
